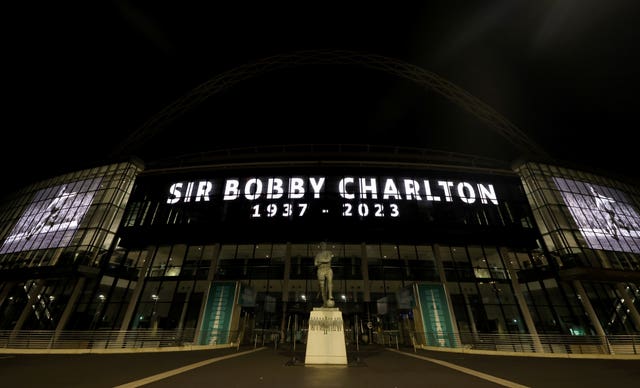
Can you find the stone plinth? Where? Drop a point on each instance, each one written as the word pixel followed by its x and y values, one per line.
pixel 325 338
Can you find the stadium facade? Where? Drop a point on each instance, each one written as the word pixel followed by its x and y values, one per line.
pixel 441 245
pixel 429 247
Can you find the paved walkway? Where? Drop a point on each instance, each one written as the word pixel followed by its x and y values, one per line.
pixel 265 367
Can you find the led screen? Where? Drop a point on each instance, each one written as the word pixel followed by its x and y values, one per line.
pixel 353 204
pixel 52 217
pixel 604 216
pixel 299 197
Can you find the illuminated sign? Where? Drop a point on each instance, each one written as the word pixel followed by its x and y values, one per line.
pixel 52 217
pixel 359 195
pixel 604 216
pixel 351 203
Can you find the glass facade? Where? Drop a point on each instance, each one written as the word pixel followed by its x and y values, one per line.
pixel 591 245
pixel 528 251
pixel 53 232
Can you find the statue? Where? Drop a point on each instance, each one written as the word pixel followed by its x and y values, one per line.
pixel 326 343
pixel 325 275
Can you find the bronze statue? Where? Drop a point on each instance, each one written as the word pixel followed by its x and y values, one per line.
pixel 325 275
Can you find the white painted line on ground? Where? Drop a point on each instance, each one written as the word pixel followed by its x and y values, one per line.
pixel 468 371
pixel 164 375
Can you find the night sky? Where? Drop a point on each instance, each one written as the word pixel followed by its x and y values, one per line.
pixel 78 80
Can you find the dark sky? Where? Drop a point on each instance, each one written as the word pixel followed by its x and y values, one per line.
pixel 79 79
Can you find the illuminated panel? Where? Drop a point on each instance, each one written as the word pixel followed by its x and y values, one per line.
pixel 359 203
pixel 604 216
pixel 52 218
pixel 351 196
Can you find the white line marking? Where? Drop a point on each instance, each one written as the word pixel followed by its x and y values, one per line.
pixel 468 371
pixel 183 369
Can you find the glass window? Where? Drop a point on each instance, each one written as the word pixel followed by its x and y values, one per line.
pixel 245 251
pixel 227 252
pixel 407 252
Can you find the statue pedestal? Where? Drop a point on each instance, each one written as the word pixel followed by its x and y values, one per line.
pixel 325 338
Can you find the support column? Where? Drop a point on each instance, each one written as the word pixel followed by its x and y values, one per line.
pixel 443 280
pixel 287 273
pixel 285 292
pixel 185 305
pixel 593 317
pixel 364 268
pixel 472 321
pixel 522 302
pixel 8 286
pixel 28 309
pixel 142 274
pixel 68 309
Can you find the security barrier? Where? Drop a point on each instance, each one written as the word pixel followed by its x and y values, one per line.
pixel 150 339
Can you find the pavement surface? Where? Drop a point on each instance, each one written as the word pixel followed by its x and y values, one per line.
pixel 370 367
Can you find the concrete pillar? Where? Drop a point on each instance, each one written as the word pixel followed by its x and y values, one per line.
pixel 593 317
pixel 364 268
pixel 509 261
pixel 287 273
pixel 214 262
pixel 285 292
pixel 185 305
pixel 126 320
pixel 68 309
pixel 472 321
pixel 28 309
pixel 8 286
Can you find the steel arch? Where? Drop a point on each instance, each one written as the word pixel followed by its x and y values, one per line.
pixel 497 122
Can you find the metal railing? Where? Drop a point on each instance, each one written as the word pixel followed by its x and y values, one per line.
pixel 542 343
pixel 100 339
pixel 147 338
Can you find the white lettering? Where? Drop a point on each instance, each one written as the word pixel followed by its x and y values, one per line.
pixel 231 189
pixel 487 193
pixel 427 190
pixel 446 186
pixel 349 187
pixel 411 189
pixel 204 188
pixel 470 196
pixel 316 186
pixel 372 188
pixel 296 188
pixel 187 195
pixel 342 188
pixel 274 188
pixel 174 193
pixel 251 195
pixel 390 190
